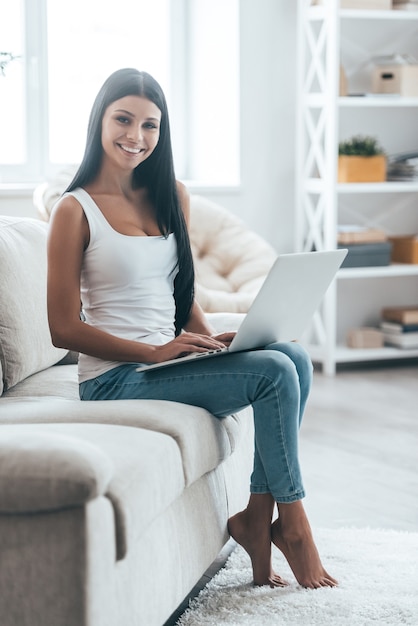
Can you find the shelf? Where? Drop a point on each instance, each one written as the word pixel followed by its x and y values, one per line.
pixel 386 187
pixel 316 13
pixel 372 100
pixel 329 37
pixel 316 100
pixel 344 354
pixel 371 14
pixel 317 185
pixel 385 271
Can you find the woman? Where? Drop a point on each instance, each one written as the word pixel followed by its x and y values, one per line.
pixel 118 242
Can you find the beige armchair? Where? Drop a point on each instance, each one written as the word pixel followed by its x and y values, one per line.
pixel 231 261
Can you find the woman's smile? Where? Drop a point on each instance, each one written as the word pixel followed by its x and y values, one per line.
pixel 130 149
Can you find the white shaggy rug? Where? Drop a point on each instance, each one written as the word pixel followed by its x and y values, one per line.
pixel 377 571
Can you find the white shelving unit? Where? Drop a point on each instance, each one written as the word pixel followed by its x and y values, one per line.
pixel 327 38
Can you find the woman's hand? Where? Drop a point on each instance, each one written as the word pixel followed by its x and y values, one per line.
pixel 225 338
pixel 187 343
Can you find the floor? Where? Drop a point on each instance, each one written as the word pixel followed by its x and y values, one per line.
pixel 359 448
pixel 359 452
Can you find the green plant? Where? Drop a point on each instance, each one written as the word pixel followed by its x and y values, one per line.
pixel 5 59
pixel 360 146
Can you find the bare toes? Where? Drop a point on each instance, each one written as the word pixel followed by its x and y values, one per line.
pixel 274 580
pixel 278 581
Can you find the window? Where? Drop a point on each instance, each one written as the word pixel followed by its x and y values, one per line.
pixel 61 52
pixel 214 93
pixel 12 90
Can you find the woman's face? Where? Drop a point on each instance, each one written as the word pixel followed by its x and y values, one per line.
pixel 130 131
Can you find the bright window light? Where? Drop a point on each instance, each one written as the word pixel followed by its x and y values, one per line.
pixel 214 91
pixel 12 86
pixel 87 41
pixel 65 50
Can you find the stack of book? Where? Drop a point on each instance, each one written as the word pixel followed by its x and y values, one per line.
pixel 400 326
pixel 403 167
pixel 405 5
pixel 366 246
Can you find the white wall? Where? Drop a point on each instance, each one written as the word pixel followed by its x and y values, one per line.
pixel 268 45
pixel 265 198
pixel 17 202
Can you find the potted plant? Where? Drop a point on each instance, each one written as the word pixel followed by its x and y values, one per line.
pixel 361 160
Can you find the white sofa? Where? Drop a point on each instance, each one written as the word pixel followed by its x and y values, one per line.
pixel 110 512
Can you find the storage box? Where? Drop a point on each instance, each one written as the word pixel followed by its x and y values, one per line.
pixel 404 249
pixel 350 235
pixel 365 338
pixel 361 169
pixel 360 4
pixel 366 4
pixel 401 78
pixel 401 314
pixel 367 254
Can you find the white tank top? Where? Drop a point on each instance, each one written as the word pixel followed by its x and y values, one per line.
pixel 127 285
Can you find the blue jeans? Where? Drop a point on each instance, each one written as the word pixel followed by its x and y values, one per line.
pixel 276 381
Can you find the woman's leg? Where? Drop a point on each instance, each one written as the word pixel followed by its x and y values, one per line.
pixel 302 386
pixel 304 369
pixel 251 528
pixel 292 534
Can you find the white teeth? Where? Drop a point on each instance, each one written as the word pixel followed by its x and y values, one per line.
pixel 131 150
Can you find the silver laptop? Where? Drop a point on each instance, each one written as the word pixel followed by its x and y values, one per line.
pixel 284 306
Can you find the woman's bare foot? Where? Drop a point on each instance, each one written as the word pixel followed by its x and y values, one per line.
pixel 291 533
pixel 252 532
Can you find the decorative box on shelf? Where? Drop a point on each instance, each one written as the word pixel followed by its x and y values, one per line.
pixel 361 159
pixel 402 314
pixel 365 338
pixel 397 75
pixel 352 234
pixel 361 169
pixel 404 249
pixel 380 5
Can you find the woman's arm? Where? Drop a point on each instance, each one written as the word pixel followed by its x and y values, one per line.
pixel 197 322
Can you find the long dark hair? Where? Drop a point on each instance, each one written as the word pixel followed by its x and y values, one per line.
pixel 156 174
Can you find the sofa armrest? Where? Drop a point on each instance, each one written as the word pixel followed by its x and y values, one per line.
pixel 48 471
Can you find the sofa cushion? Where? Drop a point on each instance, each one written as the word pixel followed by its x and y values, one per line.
pixel 204 440
pixel 25 341
pixel 41 471
pixel 59 381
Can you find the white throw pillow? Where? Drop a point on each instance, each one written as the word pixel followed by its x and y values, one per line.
pixel 25 341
